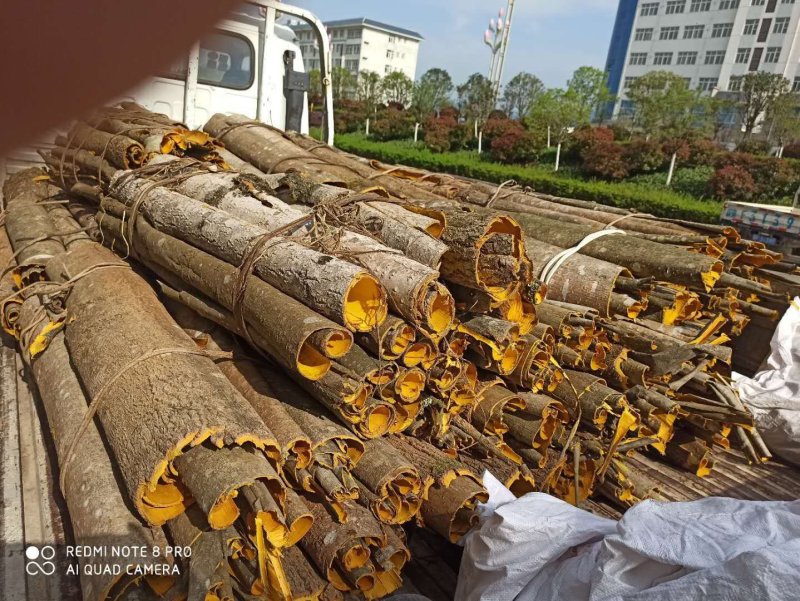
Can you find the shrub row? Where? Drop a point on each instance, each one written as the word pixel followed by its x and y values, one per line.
pixel 658 202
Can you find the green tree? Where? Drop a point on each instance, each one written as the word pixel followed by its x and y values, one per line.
pixel 782 118
pixel 431 93
pixel 397 87
pixel 759 90
pixel 342 82
pixel 368 91
pixel 520 93
pixel 314 88
pixel 476 99
pixel 717 112
pixel 663 104
pixel 589 86
pixel 559 110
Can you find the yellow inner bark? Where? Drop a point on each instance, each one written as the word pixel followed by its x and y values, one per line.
pixel 365 304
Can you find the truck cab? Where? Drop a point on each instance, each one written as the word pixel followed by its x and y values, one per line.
pixel 250 64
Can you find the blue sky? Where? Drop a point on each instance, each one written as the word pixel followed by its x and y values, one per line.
pixel 550 38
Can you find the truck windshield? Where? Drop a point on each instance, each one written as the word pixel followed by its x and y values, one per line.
pixel 226 60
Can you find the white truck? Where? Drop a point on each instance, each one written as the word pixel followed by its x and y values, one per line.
pixel 250 64
pixel 776 226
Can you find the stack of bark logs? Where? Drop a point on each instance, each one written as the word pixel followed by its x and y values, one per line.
pixel 286 352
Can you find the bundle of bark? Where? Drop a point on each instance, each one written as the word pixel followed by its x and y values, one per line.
pixel 180 414
pixel 379 337
pixel 648 305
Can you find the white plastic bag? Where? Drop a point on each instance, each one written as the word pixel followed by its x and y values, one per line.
pixel 774 394
pixel 539 548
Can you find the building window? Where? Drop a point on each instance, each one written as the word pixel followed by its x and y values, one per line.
pixel 387 69
pixel 728 4
pixel 353 34
pixel 676 7
pixel 351 64
pixel 668 33
pixel 743 56
pixel 643 35
pixel 663 58
pixel 773 54
pixel 687 58
pixel 787 1
pixel 706 84
pixel 352 49
pixel 735 83
pixel 649 10
pixel 781 25
pixel 629 82
pixel 638 58
pixel 389 54
pixel 758 3
pixel 700 6
pixel 750 27
pixel 693 32
pixel 715 57
pixel 722 30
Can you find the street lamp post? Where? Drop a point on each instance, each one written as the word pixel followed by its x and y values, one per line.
pixel 497 37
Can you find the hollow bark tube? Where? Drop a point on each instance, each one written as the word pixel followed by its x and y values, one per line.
pixel 119 150
pixel 334 288
pixel 383 221
pixel 581 279
pixel 412 288
pixel 373 176
pixel 270 152
pixel 285 325
pixel 393 480
pixel 465 262
pixel 184 397
pixel 98 511
pixel 214 478
pixel 641 257
pixel 27 222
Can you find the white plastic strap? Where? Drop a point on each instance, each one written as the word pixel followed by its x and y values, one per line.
pixel 557 260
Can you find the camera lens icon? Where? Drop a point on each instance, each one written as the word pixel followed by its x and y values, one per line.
pixel 39 560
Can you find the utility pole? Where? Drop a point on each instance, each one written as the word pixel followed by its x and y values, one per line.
pixel 497 38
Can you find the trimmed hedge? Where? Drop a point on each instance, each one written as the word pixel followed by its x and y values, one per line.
pixel 662 203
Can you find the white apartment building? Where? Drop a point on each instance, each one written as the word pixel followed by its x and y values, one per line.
pixel 711 43
pixel 364 45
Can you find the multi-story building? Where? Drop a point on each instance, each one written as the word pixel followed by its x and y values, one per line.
pixel 711 43
pixel 364 45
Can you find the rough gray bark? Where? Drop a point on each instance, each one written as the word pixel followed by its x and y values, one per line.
pixel 641 257
pixel 28 224
pixel 411 287
pixel 119 150
pixel 185 398
pixel 581 279
pixel 215 477
pixel 99 513
pixel 284 324
pixel 334 288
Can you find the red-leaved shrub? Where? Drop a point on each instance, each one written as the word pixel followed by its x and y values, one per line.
pixel 516 145
pixel 605 160
pixel 702 152
pixel 644 156
pixel 584 138
pixel 732 183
